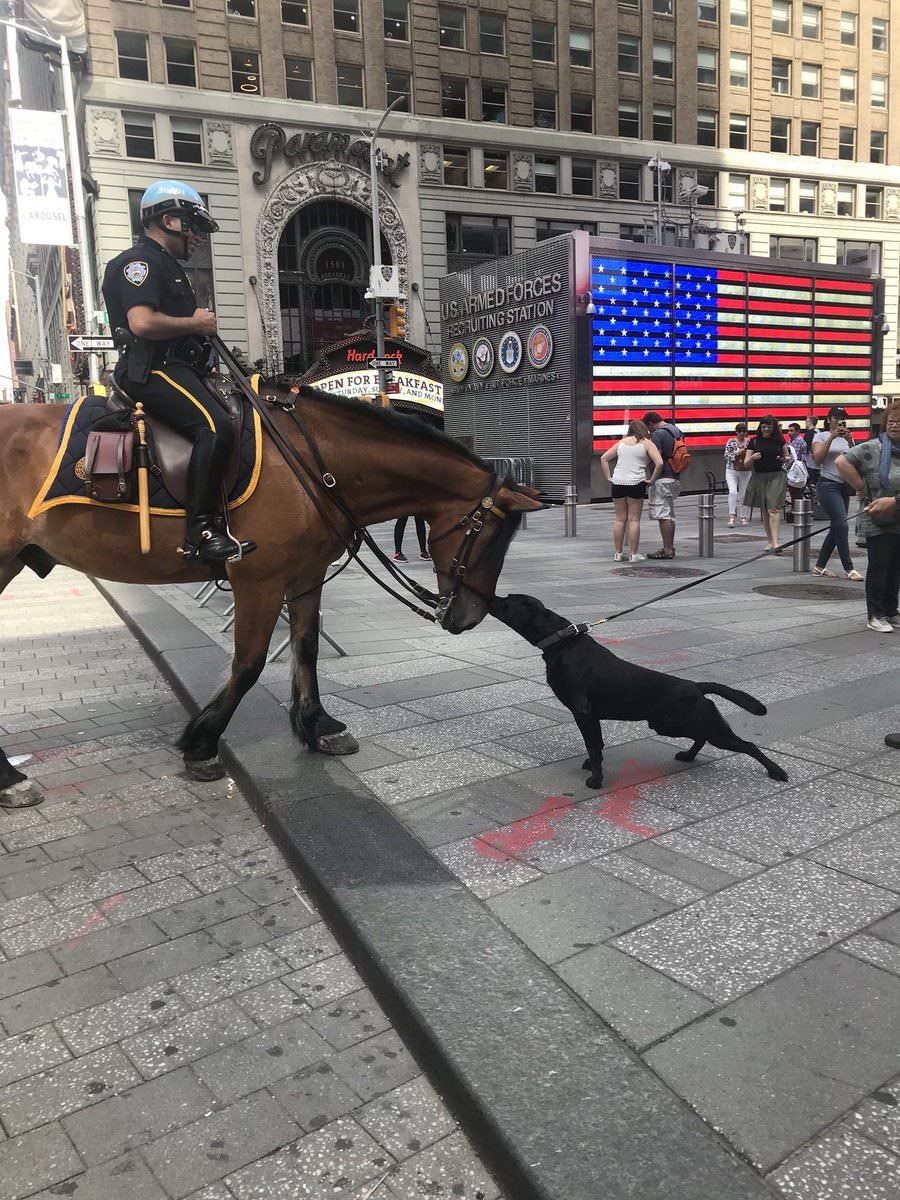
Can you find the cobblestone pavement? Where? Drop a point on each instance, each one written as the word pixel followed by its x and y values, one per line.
pixel 743 936
pixel 175 1018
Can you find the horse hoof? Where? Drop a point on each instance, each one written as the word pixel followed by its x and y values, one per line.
pixel 21 795
pixel 204 770
pixel 337 743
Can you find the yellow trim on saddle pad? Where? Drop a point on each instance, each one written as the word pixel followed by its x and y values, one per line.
pixel 40 505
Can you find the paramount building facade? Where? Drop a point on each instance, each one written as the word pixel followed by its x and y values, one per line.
pixel 520 119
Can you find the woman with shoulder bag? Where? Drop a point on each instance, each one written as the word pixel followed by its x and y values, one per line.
pixel 768 486
pixel 737 474
pixel 833 493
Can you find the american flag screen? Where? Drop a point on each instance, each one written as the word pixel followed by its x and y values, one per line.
pixel 706 347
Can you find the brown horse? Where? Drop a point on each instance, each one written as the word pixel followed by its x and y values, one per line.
pixel 386 465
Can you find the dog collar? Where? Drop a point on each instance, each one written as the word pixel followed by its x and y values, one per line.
pixel 562 635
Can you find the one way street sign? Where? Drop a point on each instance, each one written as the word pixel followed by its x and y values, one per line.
pixel 85 344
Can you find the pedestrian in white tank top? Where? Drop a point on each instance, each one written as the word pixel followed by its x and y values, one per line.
pixel 633 454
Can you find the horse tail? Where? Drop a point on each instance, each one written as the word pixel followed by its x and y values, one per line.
pixel 741 699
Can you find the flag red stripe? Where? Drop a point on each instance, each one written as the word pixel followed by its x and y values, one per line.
pixel 842 310
pixel 780 280
pixel 842 285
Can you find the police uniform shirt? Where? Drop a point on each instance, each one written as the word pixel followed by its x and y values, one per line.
pixel 146 274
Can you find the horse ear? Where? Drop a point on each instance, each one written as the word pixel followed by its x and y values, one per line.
pixel 520 499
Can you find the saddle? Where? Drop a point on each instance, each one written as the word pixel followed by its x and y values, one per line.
pixel 109 454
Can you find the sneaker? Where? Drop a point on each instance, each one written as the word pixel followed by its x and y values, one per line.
pixel 620 556
pixel 880 625
pixel 895 621
pixel 639 558
pixel 425 556
pixel 400 557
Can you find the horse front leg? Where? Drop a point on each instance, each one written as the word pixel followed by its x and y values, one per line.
pixel 16 790
pixel 309 720
pixel 256 608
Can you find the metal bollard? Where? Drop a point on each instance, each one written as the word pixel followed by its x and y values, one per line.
pixel 523 524
pixel 706 512
pixel 803 519
pixel 569 510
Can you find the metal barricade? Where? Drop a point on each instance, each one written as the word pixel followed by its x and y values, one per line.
pixel 803 522
pixel 706 513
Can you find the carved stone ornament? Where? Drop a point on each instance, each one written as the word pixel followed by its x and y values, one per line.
pixel 522 172
pixel 608 179
pixel 431 163
pixel 828 198
pixel 685 178
pixel 104 131
pixel 219 144
pixel 304 185
pixel 759 193
pixel 892 204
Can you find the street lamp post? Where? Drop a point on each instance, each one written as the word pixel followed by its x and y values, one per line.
pixel 87 281
pixel 376 241
pixel 661 167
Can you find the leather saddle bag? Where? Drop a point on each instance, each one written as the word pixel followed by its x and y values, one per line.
pixel 108 458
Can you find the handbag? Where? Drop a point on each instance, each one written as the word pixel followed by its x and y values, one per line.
pixel 797 474
pixel 740 460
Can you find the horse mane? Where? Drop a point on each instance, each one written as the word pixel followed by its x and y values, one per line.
pixel 387 418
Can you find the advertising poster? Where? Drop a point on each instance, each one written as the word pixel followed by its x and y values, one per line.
pixel 39 166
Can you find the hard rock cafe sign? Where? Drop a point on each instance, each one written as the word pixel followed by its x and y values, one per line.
pixel 270 140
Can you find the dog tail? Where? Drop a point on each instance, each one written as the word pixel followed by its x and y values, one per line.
pixel 740 698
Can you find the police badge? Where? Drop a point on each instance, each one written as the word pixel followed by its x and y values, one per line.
pixel 136 272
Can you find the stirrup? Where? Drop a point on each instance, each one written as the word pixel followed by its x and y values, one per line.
pixel 236 552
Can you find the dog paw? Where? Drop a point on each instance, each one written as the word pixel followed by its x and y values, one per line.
pixel 594 781
pixel 778 773
pixel 684 756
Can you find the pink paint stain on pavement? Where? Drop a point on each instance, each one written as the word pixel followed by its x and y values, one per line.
pixel 95 919
pixel 629 789
pixel 504 844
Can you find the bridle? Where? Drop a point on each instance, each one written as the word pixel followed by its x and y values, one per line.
pixel 471 524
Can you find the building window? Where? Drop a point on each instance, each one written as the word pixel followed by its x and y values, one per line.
pixel 131 52
pixel 241 8
pixel 549 229
pixel 181 67
pixel 778 195
pixel 739 69
pixel 175 3
pixel 810 81
pixel 629 181
pixel 346 15
pixel 245 72
pixel 809 139
pixel 187 141
pixel 874 202
pixel 140 139
pixel 707 65
pixel 739 13
pixel 781 16
pixel 581 47
pixel 879 91
pixel 859 254
pixel 546 175
pixel 629 119
pixel 456 167
pixel 708 10
pixel 848 87
pixel 633 233
pixel 848 29
pixel 668 187
pixel 780 135
pixel 582 113
pixel 710 181
pixel 451 27
pixel 846 199
pixel 350 91
pixel 707 127
pixel 496 170
pixel 399 87
pixel 847 142
pixel 739 131
pixel 629 54
pixel 794 249
pixel 493 102
pixel 781 76
pixel 738 192
pixel 396 21
pixel 629 3
pixel 298 79
pixel 544 109
pixel 473 239
pixel 543 41
pixel 453 98
pixel 582 177
pixel 879 34
pixel 662 8
pixel 663 123
pixel 807 194
pixel 877 146
pixel 295 12
pixel 492 33
pixel 811 22
pixel 663 60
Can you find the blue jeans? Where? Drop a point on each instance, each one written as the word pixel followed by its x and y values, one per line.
pixel 834 499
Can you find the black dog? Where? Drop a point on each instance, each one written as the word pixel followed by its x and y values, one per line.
pixel 594 684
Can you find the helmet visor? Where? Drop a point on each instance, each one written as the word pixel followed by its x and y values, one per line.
pixel 200 221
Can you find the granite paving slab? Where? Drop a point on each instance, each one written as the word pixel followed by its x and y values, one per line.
pixel 869 854
pixel 842 1166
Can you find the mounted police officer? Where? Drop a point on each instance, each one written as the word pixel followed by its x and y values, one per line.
pixel 164 338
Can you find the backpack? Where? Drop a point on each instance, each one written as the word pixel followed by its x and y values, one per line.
pixel 797 474
pixel 680 458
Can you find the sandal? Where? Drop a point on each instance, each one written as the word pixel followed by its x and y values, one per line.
pixel 731 522
pixel 855 576
pixel 822 573
pixel 658 554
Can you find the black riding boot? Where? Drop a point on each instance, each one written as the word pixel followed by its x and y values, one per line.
pixel 203 501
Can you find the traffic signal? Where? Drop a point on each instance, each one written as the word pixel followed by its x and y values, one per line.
pixel 397 323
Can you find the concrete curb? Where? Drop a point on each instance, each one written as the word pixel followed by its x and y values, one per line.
pixel 557 1106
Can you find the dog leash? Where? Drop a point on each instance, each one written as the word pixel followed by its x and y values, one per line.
pixel 576 630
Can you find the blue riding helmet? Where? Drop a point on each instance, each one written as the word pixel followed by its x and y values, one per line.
pixel 169 195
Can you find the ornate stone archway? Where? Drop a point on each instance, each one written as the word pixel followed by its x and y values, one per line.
pixel 305 184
